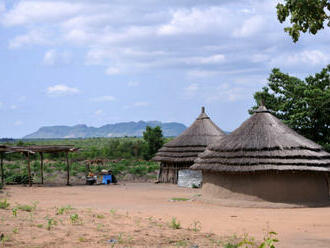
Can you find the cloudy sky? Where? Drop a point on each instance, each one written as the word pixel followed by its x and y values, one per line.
pixel 96 62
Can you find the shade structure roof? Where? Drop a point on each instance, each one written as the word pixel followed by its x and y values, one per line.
pixel 187 146
pixel 40 148
pixel 262 143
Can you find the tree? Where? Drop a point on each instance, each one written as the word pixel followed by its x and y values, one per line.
pixel 305 15
pixel 304 105
pixel 154 140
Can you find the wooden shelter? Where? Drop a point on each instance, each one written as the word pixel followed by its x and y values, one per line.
pixel 28 150
pixel 181 152
pixel 265 159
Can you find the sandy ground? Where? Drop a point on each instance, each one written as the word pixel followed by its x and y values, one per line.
pixel 149 204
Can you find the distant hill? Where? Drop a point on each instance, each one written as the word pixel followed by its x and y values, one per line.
pixel 121 129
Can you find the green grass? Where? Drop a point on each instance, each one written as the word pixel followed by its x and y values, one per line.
pixel 174 224
pixel 50 223
pixel 75 219
pixel 100 216
pixel 27 208
pixel 4 204
pixel 179 199
pixel 62 210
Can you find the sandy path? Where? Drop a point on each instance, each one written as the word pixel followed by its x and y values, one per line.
pixel 297 227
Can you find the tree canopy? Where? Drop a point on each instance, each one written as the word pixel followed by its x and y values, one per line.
pixel 154 140
pixel 304 105
pixel 305 15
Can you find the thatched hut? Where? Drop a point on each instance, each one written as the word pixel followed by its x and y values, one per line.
pixel 181 152
pixel 265 159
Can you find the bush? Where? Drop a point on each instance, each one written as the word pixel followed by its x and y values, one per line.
pixel 19 179
pixel 4 204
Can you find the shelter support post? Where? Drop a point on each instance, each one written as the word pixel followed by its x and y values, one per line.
pixel 29 169
pixel 2 170
pixel 42 167
pixel 67 169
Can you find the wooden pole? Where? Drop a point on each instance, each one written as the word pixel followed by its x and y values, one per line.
pixel 2 171
pixel 42 167
pixel 29 169
pixel 67 169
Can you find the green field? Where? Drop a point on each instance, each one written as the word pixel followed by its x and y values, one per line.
pixel 124 156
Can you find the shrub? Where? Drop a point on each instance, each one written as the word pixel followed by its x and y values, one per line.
pixel 74 218
pixel 63 210
pixel 19 179
pixel 27 208
pixel 4 204
pixel 175 224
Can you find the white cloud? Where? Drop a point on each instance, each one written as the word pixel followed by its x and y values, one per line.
pixel 141 104
pixel 259 57
pixel 197 73
pixel 194 38
pixel 227 93
pixel 103 99
pixel 250 27
pixel 195 20
pixel 33 37
pixel 191 90
pixel 13 107
pixel 99 112
pixel 314 57
pixel 213 59
pixel 112 71
pixel 49 57
pixel 306 57
pixel 61 90
pixel 26 12
pixel 2 7
pixel 18 123
pixel 133 84
pixel 53 57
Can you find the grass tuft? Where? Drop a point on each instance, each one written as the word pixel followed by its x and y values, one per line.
pixel 4 204
pixel 175 224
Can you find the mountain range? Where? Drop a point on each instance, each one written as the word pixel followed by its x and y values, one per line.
pixel 121 129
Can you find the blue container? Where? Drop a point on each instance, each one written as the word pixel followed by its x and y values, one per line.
pixel 107 179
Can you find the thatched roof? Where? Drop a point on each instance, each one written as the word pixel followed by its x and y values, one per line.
pixel 187 146
pixel 261 143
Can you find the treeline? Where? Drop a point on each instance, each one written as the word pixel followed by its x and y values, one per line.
pixel 91 148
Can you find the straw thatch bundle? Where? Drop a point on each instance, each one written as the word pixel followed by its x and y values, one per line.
pixel 181 152
pixel 265 159
pixel 263 143
pixel 187 146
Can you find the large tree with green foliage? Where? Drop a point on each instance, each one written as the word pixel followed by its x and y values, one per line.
pixel 304 105
pixel 305 15
pixel 154 140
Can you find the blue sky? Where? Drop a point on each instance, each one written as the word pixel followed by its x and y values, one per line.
pixel 96 62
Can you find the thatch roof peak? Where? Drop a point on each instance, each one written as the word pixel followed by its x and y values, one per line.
pixel 264 131
pixel 192 141
pixel 262 109
pixel 203 115
pixel 263 142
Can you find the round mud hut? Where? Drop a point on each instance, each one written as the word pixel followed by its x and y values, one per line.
pixel 180 153
pixel 265 160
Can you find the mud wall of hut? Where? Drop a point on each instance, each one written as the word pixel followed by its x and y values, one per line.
pixel 271 186
pixel 168 172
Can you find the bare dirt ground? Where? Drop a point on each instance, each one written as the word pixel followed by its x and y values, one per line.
pixel 137 215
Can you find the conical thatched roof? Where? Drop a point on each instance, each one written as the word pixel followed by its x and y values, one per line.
pixel 187 146
pixel 263 142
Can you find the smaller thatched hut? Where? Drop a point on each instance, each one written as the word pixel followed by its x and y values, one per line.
pixel 181 152
pixel 265 159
